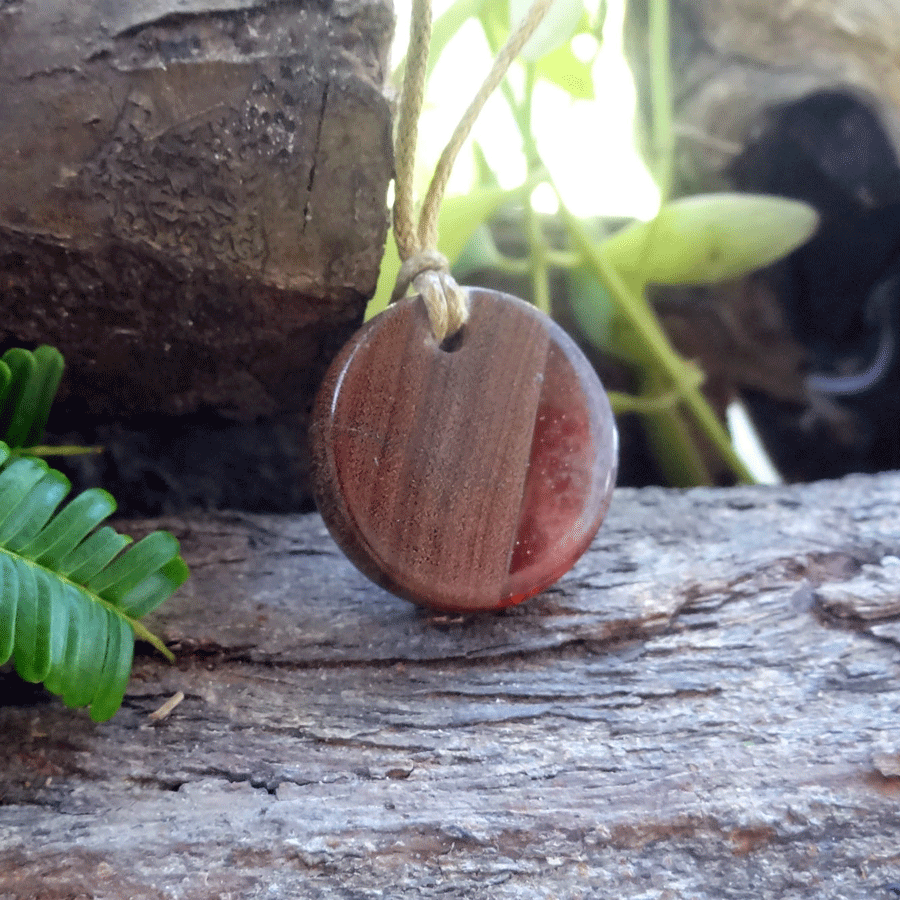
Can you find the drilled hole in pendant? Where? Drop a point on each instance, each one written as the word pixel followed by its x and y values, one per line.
pixel 454 342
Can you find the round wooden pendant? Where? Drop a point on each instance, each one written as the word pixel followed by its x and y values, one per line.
pixel 468 477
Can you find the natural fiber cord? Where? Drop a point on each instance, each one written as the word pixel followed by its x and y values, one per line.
pixel 423 267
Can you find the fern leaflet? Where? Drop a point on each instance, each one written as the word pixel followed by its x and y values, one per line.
pixel 71 594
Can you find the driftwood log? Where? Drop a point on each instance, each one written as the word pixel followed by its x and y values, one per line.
pixel 192 194
pixel 707 706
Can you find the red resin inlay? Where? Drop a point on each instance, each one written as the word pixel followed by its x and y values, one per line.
pixel 570 477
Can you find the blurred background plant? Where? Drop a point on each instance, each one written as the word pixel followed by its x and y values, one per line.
pixel 554 154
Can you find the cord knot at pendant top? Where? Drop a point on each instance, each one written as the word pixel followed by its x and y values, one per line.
pixel 428 272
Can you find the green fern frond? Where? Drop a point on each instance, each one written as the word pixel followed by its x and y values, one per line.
pixel 28 383
pixel 71 595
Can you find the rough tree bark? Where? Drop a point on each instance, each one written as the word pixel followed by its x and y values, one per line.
pixel 705 707
pixel 192 193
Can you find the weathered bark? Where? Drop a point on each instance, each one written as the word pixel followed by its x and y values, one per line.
pixel 705 707
pixel 192 194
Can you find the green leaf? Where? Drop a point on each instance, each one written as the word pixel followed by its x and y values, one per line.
pixel 563 68
pixel 494 18
pixel 69 602
pixel 145 596
pixel 89 557
pixel 5 382
pixel 560 23
pixel 461 216
pixel 70 527
pixel 479 254
pixel 9 605
pixel 116 668
pixel 83 661
pixel 121 577
pixel 25 523
pixel 711 237
pixel 25 401
pixel 600 321
pixel 16 481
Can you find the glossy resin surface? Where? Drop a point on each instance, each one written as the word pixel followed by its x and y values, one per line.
pixel 464 479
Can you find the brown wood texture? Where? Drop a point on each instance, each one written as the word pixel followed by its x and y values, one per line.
pixel 192 194
pixel 706 707
pixel 466 479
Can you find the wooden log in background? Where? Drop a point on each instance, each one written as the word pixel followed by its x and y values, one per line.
pixel 192 194
pixel 707 706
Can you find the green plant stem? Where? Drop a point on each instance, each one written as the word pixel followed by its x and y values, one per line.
pixel 539 271
pixel 62 450
pixel 556 259
pixel 645 404
pixel 665 366
pixel 660 69
pixel 675 445
pixel 563 259
pixel 514 266
pixel 524 121
pixel 142 633
pixel 639 316
pixel 537 241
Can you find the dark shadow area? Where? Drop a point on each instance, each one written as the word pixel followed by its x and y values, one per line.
pixel 157 464
pixel 840 293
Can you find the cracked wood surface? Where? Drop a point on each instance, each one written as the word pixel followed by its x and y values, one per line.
pixel 192 194
pixel 705 707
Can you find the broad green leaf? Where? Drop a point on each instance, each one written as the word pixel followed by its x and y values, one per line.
pixel 563 68
pixel 559 24
pixel 83 662
pixel 154 589
pixel 60 602
pixel 25 523
pixel 494 18
pixel 387 278
pixel 461 215
pixel 32 625
pixel 48 374
pixel 14 424
pixel 711 237
pixel 16 481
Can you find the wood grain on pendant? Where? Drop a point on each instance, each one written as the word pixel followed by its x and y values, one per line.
pixel 469 478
